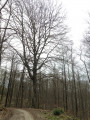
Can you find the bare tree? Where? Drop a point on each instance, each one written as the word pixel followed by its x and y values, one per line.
pixel 2 6
pixel 39 27
pixel 74 83
pixel 4 22
pixel 84 62
pixel 19 97
pixel 86 39
pixel 3 87
pixel 86 52
pixel 12 77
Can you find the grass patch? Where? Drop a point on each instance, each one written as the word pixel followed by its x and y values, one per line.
pixel 56 114
pixel 53 115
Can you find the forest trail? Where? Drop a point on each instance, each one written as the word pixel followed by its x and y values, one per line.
pixel 24 114
pixel 21 115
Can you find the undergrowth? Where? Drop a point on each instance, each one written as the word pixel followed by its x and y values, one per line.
pixel 57 114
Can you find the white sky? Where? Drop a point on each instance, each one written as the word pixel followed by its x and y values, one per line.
pixel 77 15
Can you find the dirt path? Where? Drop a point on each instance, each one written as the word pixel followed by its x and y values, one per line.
pixel 21 115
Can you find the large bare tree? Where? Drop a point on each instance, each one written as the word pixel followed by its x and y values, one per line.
pixel 39 27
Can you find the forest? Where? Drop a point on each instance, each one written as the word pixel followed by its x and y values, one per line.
pixel 39 65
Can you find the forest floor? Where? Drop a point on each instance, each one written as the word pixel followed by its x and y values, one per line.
pixel 31 114
pixel 21 114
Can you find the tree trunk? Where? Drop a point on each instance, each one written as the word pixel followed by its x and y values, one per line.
pixel 3 86
pixel 74 83
pixel 34 99
pixel 66 102
pixel 9 86
pixel 19 97
pixel 0 38
pixel 12 86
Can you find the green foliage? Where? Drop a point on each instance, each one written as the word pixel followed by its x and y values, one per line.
pixel 52 115
pixel 58 111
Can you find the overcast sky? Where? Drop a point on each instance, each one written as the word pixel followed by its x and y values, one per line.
pixel 77 15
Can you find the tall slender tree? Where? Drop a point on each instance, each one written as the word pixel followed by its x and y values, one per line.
pixel 4 22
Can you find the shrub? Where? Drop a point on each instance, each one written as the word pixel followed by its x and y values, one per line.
pixel 58 111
